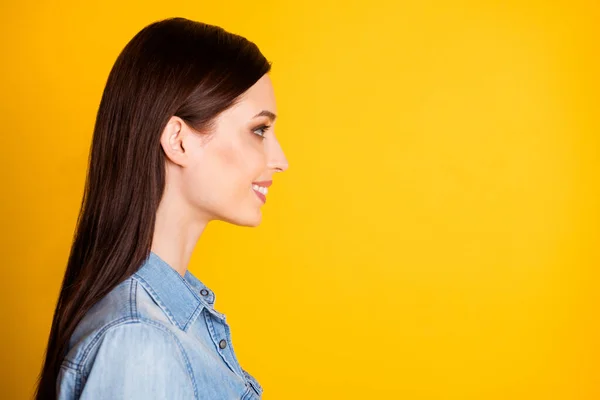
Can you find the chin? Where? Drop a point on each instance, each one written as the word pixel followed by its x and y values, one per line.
pixel 249 220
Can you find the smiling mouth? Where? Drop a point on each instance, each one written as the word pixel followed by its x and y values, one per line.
pixel 261 189
pixel 261 192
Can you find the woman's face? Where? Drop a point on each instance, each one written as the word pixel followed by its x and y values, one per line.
pixel 214 173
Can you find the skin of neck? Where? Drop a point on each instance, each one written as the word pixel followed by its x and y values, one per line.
pixel 176 231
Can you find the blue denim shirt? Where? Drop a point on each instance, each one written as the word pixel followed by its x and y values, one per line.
pixel 156 335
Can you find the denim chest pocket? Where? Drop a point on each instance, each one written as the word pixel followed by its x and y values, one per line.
pixel 250 394
pixel 255 389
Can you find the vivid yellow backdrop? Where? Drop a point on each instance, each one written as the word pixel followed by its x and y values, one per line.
pixel 436 235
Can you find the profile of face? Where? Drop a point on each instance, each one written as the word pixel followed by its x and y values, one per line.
pixel 214 176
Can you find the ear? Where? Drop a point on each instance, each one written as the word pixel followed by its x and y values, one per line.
pixel 172 141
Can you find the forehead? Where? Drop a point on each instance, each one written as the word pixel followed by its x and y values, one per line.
pixel 257 98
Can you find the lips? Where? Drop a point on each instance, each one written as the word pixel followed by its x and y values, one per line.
pixel 263 183
pixel 261 196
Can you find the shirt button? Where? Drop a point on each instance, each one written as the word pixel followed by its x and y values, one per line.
pixel 223 343
pixel 204 292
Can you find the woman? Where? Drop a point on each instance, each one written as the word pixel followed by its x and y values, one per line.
pixel 184 135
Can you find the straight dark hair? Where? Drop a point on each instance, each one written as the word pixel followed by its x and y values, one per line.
pixel 173 67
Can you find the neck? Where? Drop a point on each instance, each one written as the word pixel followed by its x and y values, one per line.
pixel 175 232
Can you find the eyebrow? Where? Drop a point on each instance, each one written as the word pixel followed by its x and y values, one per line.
pixel 266 113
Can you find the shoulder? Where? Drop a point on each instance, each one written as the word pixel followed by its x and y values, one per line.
pixel 125 313
pixel 137 342
pixel 138 352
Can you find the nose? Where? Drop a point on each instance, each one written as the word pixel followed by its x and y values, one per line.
pixel 277 159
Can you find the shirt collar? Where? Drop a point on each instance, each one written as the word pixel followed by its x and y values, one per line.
pixel 182 298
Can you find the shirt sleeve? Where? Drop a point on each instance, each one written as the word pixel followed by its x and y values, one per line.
pixel 138 361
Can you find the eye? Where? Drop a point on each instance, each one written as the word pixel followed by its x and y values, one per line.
pixel 264 128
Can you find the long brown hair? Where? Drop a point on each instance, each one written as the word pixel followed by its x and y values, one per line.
pixel 171 67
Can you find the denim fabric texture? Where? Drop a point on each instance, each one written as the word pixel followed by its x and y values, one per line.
pixel 156 335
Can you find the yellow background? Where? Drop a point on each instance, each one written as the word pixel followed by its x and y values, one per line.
pixel 436 235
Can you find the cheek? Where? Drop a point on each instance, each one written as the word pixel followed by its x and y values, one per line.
pixel 239 162
pixel 226 174
pixel 223 175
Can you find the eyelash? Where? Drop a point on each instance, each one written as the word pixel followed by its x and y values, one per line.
pixel 264 128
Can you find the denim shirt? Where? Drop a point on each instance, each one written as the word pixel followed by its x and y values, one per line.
pixel 156 335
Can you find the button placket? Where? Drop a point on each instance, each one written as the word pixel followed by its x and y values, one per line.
pixel 208 298
pixel 220 334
